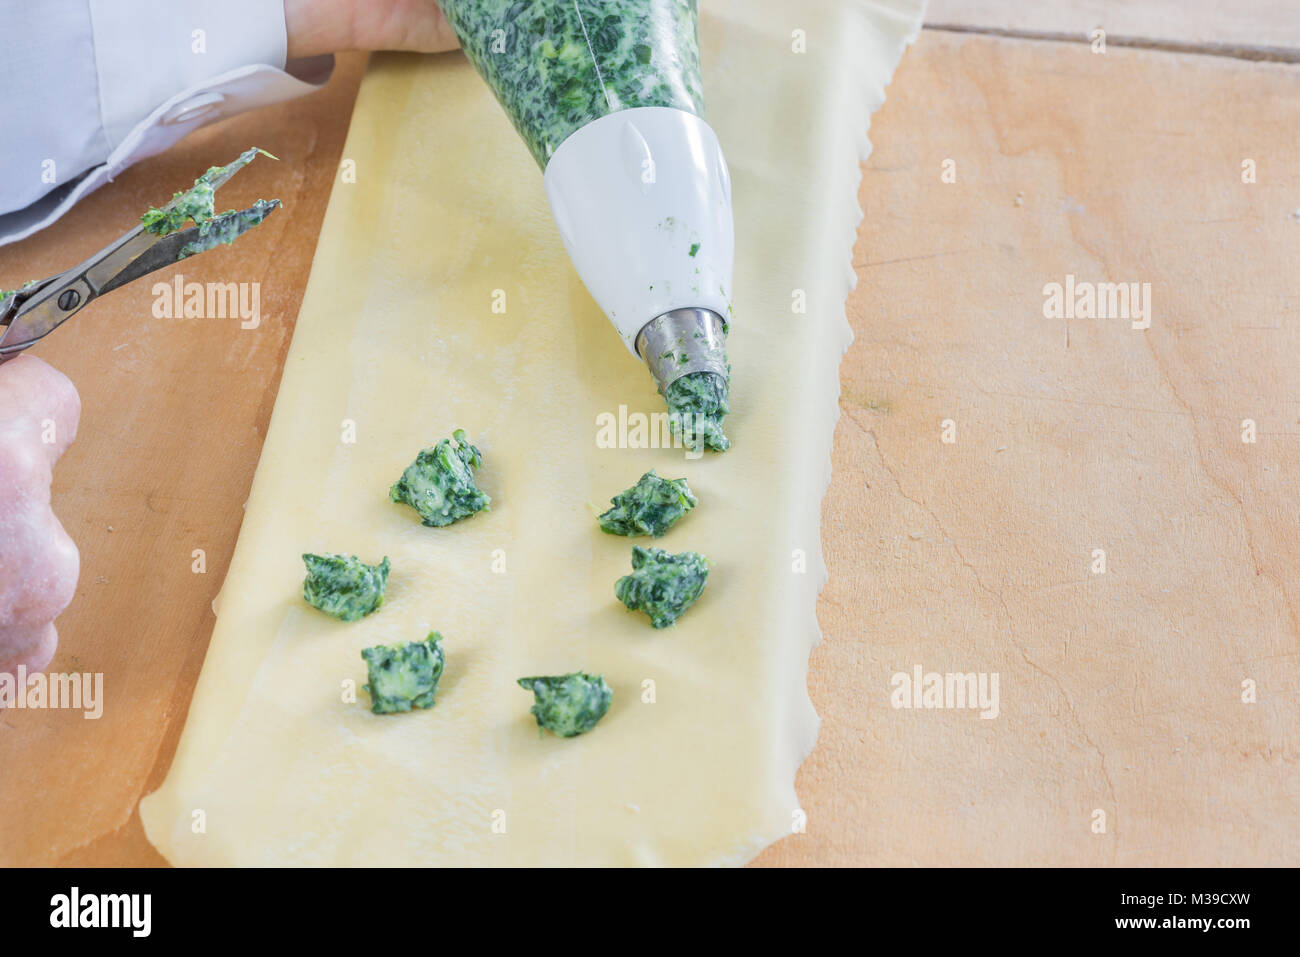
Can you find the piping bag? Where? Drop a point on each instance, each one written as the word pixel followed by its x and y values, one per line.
pixel 607 95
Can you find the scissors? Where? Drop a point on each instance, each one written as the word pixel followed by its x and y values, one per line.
pixel 38 308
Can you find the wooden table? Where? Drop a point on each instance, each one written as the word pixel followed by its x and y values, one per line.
pixel 1120 692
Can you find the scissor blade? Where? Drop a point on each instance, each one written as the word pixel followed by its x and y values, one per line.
pixel 136 254
pixel 33 314
pixel 244 159
pixel 227 171
pixel 162 253
pixel 170 249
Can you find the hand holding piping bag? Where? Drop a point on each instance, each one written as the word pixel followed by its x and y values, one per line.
pixel 314 27
pixel 608 96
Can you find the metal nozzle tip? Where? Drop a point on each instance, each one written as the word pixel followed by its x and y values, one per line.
pixel 681 342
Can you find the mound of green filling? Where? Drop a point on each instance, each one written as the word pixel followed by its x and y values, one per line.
pixel 402 677
pixel 439 484
pixel 568 705
pixel 697 404
pixel 197 205
pixel 662 585
pixel 343 585
pixel 650 507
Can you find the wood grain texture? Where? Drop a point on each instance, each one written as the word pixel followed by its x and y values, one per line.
pixel 1242 23
pixel 1119 692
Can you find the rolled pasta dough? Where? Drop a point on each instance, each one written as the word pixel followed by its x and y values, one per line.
pixel 695 761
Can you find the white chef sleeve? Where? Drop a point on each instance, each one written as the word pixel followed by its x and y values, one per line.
pixel 88 87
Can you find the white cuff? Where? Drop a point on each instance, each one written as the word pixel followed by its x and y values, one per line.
pixel 242 89
pixel 145 51
pixel 223 58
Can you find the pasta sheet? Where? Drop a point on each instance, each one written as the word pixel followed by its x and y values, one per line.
pixel 441 298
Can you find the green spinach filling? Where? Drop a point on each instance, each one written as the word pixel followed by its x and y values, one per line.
pixel 227 227
pixel 343 585
pixel 662 585
pixel 556 65
pixel 439 484
pixel 650 507
pixel 568 705
pixel 697 404
pixel 197 205
pixel 5 295
pixel 402 677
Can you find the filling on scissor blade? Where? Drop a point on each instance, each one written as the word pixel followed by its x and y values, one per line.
pixel 556 65
pixel 5 294
pixel 197 205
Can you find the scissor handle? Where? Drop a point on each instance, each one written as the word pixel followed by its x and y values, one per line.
pixel 17 317
pixel 38 310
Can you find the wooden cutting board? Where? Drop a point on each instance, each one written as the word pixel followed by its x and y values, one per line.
pixel 1120 692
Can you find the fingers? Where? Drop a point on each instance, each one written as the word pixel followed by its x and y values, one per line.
pixel 427 30
pixel 31 646
pixel 39 562
pixel 313 27
pixel 36 395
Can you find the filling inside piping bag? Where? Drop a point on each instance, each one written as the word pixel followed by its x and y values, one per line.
pixel 556 65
